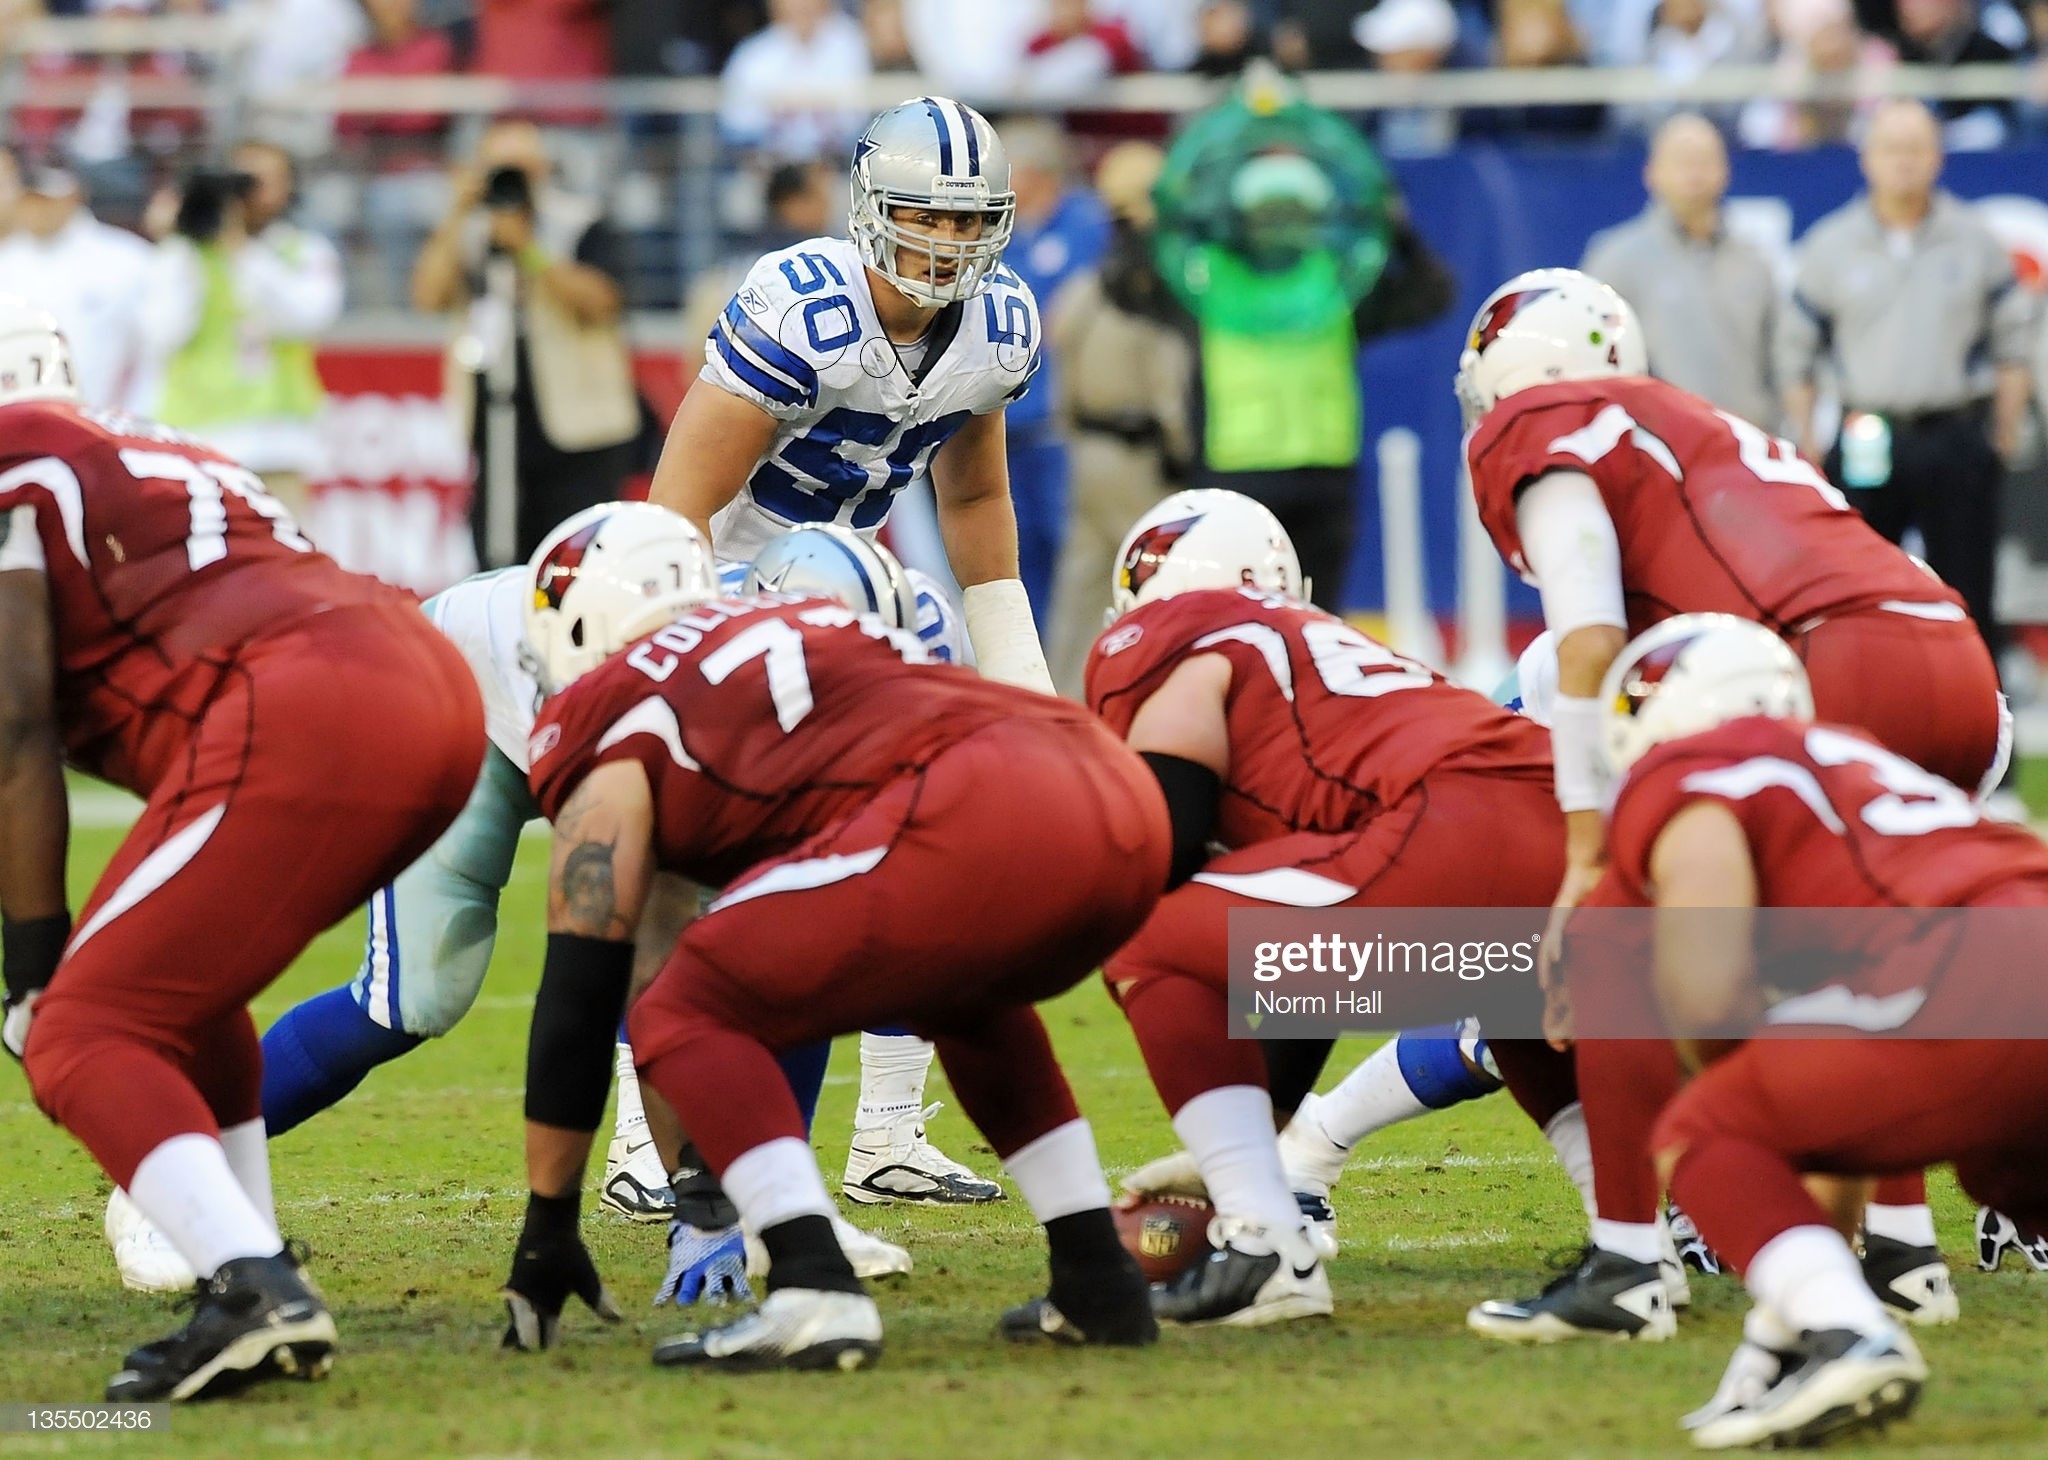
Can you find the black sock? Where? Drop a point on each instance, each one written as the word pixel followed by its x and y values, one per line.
pixel 1084 1240
pixel 1292 1068
pixel 803 1252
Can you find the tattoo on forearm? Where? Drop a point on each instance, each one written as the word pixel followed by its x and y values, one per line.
pixel 588 894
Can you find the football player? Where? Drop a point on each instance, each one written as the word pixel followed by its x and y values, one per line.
pixel 1626 500
pixel 297 733
pixel 1332 772
pixel 432 930
pixel 1734 799
pixel 842 370
pixel 861 808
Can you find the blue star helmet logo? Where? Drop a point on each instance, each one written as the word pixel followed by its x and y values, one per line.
pixel 863 147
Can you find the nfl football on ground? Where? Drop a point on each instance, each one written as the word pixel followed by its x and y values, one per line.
pixel 1167 1234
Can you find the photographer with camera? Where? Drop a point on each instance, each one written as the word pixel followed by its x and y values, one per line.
pixel 537 372
pixel 238 294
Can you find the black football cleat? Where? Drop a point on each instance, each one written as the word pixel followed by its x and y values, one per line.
pixel 257 1318
pixel 1605 1295
pixel 1998 1234
pixel 1913 1281
pixel 1254 1277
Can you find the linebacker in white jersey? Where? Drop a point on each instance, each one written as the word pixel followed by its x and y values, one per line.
pixel 844 369
pixel 431 933
pixel 840 372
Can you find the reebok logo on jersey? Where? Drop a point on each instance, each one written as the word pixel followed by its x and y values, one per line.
pixel 1122 639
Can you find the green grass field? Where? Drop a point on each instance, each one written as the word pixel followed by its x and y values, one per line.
pixel 410 1194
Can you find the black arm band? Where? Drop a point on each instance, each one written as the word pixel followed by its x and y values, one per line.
pixel 575 1026
pixel 1192 792
pixel 29 950
pixel 552 1216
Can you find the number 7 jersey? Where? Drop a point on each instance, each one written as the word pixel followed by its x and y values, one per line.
pixel 1327 726
pixel 162 559
pixel 857 423
pixel 1712 515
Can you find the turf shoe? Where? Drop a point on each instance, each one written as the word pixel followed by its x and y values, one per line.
pixel 257 1318
pixel 1254 1277
pixel 1692 1248
pixel 794 1328
pixel 1604 1295
pixel 145 1256
pixel 1998 1234
pixel 895 1162
pixel 1913 1281
pixel 1835 1381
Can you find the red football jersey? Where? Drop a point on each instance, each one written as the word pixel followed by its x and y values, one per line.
pixel 762 720
pixel 162 559
pixel 1833 818
pixel 1712 514
pixel 1327 726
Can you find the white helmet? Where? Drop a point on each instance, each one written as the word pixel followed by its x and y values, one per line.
pixel 833 561
pixel 937 154
pixel 1545 326
pixel 605 577
pixel 1204 539
pixel 35 363
pixel 1693 672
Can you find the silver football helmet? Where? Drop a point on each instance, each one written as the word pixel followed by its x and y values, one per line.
pixel 937 154
pixel 832 561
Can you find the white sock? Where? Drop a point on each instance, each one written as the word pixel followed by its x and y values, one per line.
pixel 1229 1132
pixel 1567 1136
pixel 1912 1225
pixel 893 1068
pixel 775 1181
pixel 1637 1240
pixel 1809 1278
pixel 189 1192
pixel 248 1151
pixel 1059 1173
pixel 630 1114
pixel 1371 1098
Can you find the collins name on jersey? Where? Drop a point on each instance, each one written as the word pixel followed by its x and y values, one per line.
pixel 859 418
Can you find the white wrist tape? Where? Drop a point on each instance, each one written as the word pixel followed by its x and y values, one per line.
pixel 1580 771
pixel 1005 639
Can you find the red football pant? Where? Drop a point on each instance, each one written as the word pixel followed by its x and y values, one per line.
pixel 1925 688
pixel 1000 874
pixel 1624 1084
pixel 1457 840
pixel 331 756
pixel 1747 1128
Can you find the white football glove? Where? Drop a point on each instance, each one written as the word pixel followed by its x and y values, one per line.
pixel 15 1032
pixel 1174 1175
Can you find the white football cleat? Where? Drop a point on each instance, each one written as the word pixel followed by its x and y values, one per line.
pixel 1314 1162
pixel 148 1261
pixel 870 1255
pixel 635 1185
pixel 894 1162
pixel 1834 1382
pixel 1913 1281
pixel 795 1328
pixel 1752 1370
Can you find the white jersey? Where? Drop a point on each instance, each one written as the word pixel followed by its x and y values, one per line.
pixel 485 616
pixel 860 417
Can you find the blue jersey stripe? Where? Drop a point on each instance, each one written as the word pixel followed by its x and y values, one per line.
pixel 777 490
pixel 772 352
pixel 973 142
pixel 751 374
pixel 945 137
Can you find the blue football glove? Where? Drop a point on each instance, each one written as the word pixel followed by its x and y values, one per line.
pixel 705 1265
